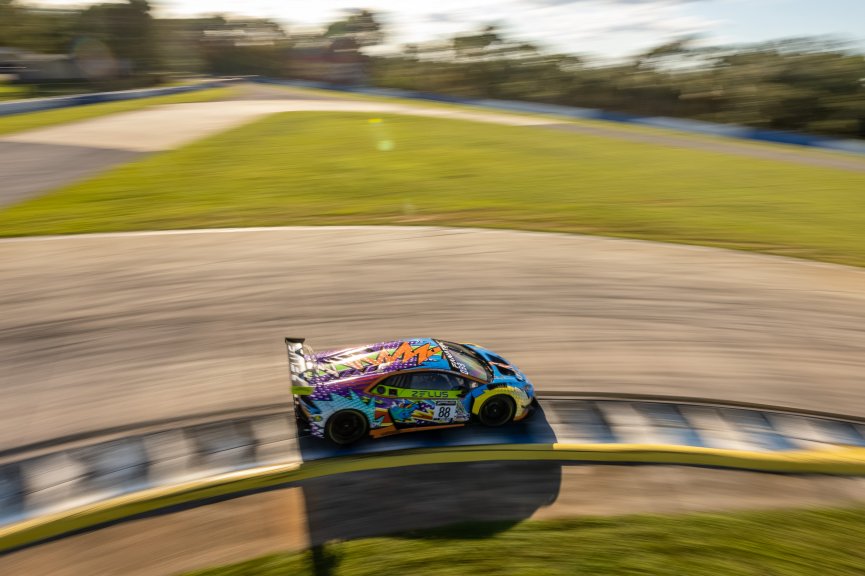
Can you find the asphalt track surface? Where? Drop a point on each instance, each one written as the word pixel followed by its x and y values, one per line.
pixel 34 167
pixel 109 330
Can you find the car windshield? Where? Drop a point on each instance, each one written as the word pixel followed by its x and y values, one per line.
pixel 466 361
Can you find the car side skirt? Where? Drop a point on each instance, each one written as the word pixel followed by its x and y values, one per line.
pixel 393 430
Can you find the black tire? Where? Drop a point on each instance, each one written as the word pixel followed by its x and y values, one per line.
pixel 346 427
pixel 497 411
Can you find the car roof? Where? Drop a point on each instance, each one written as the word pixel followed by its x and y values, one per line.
pixel 379 359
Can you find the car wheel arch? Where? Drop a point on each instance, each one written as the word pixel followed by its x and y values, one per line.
pixel 346 436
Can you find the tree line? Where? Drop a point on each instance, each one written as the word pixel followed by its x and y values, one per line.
pixel 810 85
pixel 805 84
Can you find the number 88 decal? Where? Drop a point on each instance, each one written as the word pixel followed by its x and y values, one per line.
pixel 444 411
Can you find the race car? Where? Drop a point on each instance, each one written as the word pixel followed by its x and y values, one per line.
pixel 403 386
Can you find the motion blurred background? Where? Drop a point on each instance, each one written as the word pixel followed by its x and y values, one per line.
pixel 656 208
pixel 788 65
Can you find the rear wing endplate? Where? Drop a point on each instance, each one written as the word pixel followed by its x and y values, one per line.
pixel 298 365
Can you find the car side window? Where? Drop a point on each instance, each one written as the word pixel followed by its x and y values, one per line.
pixel 433 381
pixel 390 385
pixel 395 381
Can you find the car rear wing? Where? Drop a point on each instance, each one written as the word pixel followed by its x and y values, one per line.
pixel 298 365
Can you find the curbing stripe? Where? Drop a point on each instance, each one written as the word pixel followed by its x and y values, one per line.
pixel 840 461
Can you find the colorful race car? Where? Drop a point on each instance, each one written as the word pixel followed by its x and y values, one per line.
pixel 403 386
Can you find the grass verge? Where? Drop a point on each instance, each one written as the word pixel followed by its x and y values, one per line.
pixel 781 543
pixel 11 91
pixel 348 168
pixel 31 120
pixel 618 129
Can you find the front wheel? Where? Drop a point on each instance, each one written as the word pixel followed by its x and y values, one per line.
pixel 497 411
pixel 346 427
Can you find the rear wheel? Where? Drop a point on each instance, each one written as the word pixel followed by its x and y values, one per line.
pixel 497 411
pixel 346 427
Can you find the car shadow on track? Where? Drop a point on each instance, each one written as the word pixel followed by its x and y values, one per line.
pixel 404 500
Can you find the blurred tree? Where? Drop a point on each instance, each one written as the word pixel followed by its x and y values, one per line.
pixel 805 84
pixel 127 30
pixel 474 46
pixel 9 15
pixel 218 45
pixel 46 31
pixel 248 46
pixel 362 27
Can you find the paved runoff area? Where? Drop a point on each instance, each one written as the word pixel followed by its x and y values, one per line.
pixel 117 329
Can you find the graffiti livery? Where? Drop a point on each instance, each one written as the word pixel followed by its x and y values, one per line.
pixel 403 385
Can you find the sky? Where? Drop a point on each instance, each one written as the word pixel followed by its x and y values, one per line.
pixel 604 28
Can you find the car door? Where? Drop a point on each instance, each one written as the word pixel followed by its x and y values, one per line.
pixel 439 396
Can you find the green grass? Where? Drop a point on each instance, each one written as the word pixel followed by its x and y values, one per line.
pixel 323 168
pixel 622 128
pixel 780 543
pixel 11 91
pixel 31 120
